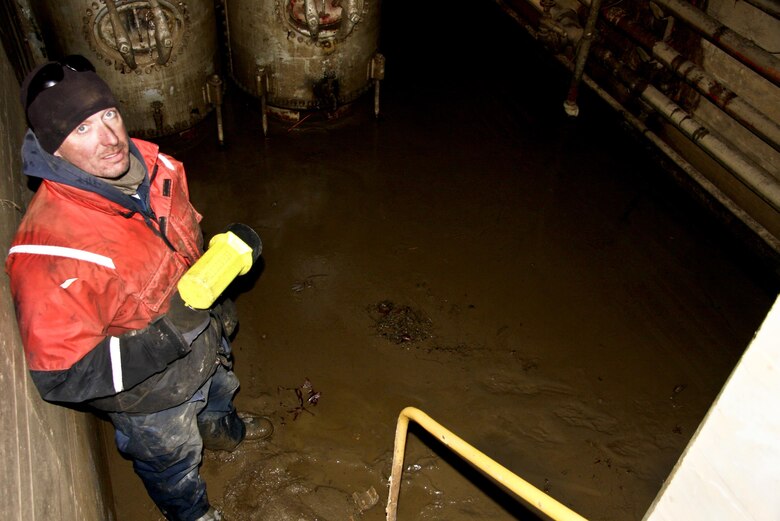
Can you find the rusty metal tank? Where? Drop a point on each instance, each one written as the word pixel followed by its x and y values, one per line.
pixel 156 55
pixel 303 54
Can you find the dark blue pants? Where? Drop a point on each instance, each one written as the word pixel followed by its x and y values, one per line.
pixel 166 447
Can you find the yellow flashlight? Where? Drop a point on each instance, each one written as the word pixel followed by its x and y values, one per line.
pixel 229 255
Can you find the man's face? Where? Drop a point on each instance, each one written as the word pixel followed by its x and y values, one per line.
pixel 99 145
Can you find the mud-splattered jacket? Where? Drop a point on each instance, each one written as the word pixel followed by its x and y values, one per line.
pixel 90 265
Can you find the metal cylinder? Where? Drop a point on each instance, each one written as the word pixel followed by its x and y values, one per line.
pixel 316 53
pixel 156 55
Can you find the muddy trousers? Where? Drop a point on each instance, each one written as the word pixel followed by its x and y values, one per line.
pixel 166 447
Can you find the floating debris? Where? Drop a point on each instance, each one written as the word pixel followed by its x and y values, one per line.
pixel 312 397
pixel 400 324
pixel 366 500
pixel 307 283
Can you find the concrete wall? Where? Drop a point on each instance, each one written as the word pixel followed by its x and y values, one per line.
pixel 53 464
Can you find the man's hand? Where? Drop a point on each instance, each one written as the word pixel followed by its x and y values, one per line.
pixel 190 322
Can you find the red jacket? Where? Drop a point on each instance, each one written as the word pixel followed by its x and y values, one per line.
pixel 85 270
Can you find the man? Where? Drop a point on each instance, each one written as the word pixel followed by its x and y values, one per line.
pixel 93 270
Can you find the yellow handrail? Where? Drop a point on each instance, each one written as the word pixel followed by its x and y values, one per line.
pixel 532 495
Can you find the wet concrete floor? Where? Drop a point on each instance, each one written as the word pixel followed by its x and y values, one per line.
pixel 538 286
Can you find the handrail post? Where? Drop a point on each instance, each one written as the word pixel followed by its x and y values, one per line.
pixel 399 447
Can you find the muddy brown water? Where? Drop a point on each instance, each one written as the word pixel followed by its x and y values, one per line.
pixel 538 286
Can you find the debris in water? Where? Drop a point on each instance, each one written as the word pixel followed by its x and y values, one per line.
pixel 307 283
pixel 312 397
pixel 400 324
pixel 366 500
pixel 675 393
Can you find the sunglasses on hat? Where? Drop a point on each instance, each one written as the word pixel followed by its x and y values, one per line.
pixel 52 73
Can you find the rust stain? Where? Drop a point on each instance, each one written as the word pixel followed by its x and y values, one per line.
pixel 771 73
pixel 678 62
pixel 720 94
pixel 700 133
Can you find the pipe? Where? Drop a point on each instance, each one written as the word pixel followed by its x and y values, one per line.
pixel 377 73
pixel 705 184
pixel 549 17
pixel 532 495
pixel 262 91
pixel 312 17
pixel 123 44
pixel 162 34
pixel 376 98
pixel 221 4
pixel 761 182
pixel 733 43
pixel 522 22
pixel 214 96
pixel 770 7
pixel 570 105
pixel 350 16
pixel 747 115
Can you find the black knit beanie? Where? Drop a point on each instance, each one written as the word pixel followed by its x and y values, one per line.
pixel 56 111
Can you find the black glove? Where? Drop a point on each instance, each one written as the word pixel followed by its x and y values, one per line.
pixel 168 338
pixel 147 351
pixel 190 322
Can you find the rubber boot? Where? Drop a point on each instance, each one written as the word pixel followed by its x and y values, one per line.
pixel 226 433
pixel 230 430
pixel 257 427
